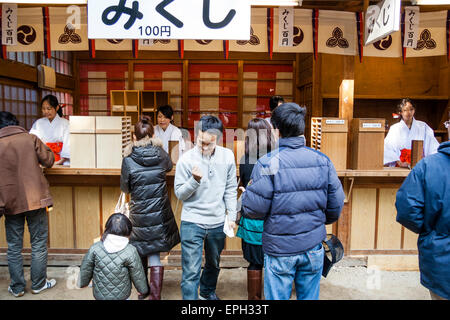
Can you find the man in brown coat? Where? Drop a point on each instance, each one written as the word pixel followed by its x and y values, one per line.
pixel 24 194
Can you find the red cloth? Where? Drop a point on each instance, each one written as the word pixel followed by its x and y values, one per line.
pixel 56 147
pixel 405 155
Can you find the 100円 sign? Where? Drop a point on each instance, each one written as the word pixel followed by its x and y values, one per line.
pixel 169 19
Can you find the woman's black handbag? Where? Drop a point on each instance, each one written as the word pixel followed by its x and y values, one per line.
pixel 334 251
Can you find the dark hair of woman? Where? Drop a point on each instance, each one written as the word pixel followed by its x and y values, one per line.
pixel 274 101
pixel 53 102
pixel 119 225
pixel 403 103
pixel 144 128
pixel 258 140
pixel 166 110
pixel 7 119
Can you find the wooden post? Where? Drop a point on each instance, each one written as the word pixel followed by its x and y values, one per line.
pixel 240 109
pixel 316 110
pixel 346 93
pixel 416 152
pixel 185 93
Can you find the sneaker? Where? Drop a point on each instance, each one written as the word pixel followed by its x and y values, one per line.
pixel 17 295
pixel 48 284
pixel 211 296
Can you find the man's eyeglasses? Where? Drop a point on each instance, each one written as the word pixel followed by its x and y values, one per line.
pixel 447 124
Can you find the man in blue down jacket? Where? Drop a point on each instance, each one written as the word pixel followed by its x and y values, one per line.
pixel 296 190
pixel 423 206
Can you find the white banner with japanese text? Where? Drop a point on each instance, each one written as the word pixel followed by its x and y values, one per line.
pixel 302 39
pixel 412 19
pixel 432 35
pixel 285 26
pixel 9 24
pixel 169 19
pixel 30 31
pixel 381 20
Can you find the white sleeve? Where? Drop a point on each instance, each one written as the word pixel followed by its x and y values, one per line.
pixel 391 151
pixel 177 135
pixel 34 130
pixel 430 143
pixel 65 152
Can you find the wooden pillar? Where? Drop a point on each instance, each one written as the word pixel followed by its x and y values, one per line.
pixel 240 93
pixel 346 94
pixel 76 77
pixel 317 87
pixel 365 5
pixel 185 92
pixel 130 75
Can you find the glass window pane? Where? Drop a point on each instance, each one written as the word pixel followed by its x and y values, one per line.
pixel 26 58
pixel 7 90
pixel 13 93
pixel 21 94
pixel 33 59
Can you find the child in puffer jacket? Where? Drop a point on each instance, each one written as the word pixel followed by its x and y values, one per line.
pixel 113 263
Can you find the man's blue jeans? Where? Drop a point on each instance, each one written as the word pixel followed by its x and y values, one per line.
pixel 37 221
pixel 304 269
pixel 192 240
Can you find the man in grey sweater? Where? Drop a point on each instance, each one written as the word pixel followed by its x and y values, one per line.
pixel 205 180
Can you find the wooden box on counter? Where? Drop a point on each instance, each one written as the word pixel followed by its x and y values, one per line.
pixel 82 141
pixel 367 143
pixel 98 142
pixel 329 136
pixel 112 134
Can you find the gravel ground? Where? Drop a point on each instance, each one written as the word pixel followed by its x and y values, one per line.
pixel 342 283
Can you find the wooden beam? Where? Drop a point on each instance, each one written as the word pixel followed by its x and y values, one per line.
pixel 18 71
pixel 188 55
pixel 65 82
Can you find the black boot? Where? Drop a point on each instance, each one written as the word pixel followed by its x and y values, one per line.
pixel 144 261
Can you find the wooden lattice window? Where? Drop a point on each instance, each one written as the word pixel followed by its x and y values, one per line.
pixel 20 101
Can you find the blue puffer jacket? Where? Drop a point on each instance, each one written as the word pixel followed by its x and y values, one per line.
pixel 297 191
pixel 423 206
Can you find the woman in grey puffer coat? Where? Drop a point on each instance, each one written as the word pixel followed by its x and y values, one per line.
pixel 144 177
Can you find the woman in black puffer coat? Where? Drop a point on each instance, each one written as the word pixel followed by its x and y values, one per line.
pixel 143 175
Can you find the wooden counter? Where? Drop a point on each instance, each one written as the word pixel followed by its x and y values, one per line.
pixel 85 198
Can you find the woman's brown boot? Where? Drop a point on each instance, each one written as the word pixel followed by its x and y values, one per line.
pixel 156 282
pixel 254 284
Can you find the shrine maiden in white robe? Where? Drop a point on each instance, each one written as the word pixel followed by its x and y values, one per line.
pixel 53 132
pixel 400 136
pixel 172 133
